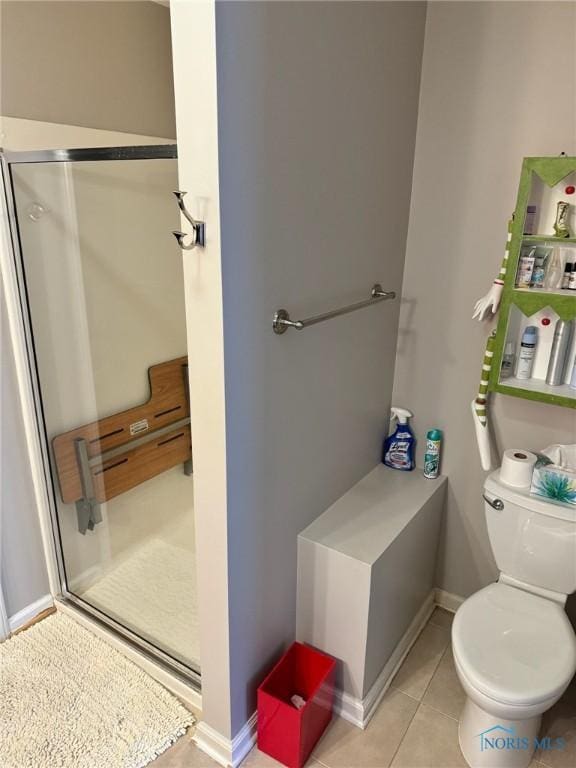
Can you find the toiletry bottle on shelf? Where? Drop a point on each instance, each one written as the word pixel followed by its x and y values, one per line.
pixel 525 267
pixel 527 352
pixel 553 278
pixel 572 282
pixel 539 271
pixel 432 455
pixel 572 383
pixel 559 352
pixel 507 367
pixel 530 220
pixel 561 223
pixel 567 275
pixel 398 450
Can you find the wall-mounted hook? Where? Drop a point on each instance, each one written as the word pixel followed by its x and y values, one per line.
pixel 198 227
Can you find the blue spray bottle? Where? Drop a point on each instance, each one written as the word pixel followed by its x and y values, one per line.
pixel 399 447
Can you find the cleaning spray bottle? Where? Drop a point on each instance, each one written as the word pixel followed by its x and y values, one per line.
pixel 398 450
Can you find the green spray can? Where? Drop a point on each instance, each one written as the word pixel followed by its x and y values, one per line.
pixel 432 455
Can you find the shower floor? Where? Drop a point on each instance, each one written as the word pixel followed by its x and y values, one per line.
pixel 149 583
pixel 153 593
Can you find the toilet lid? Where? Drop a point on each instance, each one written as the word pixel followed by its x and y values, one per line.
pixel 514 647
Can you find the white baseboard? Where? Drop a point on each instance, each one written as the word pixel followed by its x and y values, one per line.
pixel 230 752
pixel 29 612
pixel 226 752
pixel 360 711
pixel 4 625
pixel 216 746
pixel 244 740
pixel 448 601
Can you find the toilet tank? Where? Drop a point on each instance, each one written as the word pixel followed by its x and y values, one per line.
pixel 532 540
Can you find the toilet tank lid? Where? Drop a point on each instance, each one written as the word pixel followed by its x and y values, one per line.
pixel 495 488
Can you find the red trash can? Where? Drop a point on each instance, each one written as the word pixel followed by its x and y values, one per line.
pixel 285 732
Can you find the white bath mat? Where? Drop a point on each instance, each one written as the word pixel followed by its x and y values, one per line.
pixel 153 592
pixel 69 700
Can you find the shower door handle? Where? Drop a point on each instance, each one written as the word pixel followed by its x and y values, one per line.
pixel 198 227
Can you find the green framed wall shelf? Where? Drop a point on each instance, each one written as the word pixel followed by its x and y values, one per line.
pixel 543 183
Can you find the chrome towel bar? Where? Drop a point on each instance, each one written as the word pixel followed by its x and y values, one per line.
pixel 282 319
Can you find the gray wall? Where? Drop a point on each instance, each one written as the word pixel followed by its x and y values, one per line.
pixel 492 92
pixel 94 64
pixel 317 118
pixel 22 568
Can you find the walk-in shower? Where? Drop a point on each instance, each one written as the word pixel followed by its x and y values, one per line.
pixel 100 281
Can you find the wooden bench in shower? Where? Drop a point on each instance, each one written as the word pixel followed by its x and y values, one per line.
pixel 98 461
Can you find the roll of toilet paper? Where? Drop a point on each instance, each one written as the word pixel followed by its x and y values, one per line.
pixel 517 467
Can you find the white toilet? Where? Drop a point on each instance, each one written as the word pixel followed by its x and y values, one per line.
pixel 514 648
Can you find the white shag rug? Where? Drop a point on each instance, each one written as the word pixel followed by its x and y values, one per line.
pixel 69 700
pixel 153 592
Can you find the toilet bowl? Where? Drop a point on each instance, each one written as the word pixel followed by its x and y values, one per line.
pixel 514 647
pixel 515 654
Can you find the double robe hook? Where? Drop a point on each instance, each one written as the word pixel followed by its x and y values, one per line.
pixel 198 227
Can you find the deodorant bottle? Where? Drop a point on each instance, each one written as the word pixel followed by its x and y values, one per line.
pixel 432 455
pixel 527 352
pixel 507 367
pixel 559 352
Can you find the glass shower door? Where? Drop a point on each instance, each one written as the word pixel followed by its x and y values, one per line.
pixel 103 287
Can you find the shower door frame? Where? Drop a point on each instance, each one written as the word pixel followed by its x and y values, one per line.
pixel 20 327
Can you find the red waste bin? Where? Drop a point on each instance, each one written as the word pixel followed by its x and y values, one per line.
pixel 285 732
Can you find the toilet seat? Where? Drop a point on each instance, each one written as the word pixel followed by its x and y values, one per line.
pixel 514 647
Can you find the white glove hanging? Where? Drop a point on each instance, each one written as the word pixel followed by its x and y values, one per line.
pixel 487 306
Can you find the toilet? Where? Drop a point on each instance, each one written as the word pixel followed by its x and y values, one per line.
pixel 514 647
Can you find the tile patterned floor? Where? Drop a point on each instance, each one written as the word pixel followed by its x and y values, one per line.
pixel 415 726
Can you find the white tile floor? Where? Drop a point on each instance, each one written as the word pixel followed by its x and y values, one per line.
pixel 415 726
